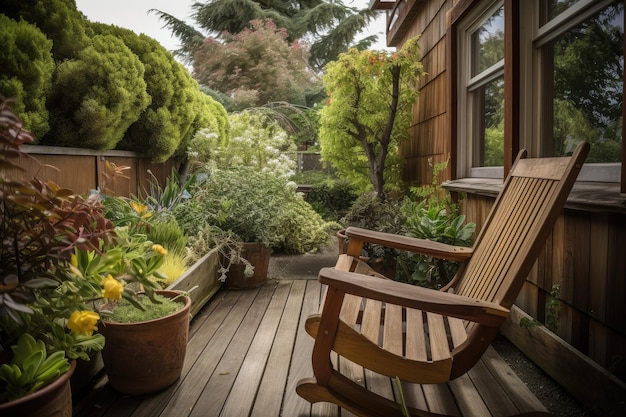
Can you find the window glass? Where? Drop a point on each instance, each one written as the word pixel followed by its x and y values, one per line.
pixel 488 124
pixel 488 43
pixel 582 85
pixel 553 8
pixel 485 89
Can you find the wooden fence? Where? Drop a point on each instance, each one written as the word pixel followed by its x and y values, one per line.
pixel 81 170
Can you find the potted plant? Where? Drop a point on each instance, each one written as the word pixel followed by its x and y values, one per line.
pixel 135 356
pixel 245 204
pixel 246 193
pixel 41 225
pixel 146 334
pixel 48 299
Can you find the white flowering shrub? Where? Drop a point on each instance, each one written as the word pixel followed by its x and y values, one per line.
pixel 255 141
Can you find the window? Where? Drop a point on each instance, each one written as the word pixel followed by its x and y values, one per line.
pixel 579 49
pixel 571 71
pixel 482 81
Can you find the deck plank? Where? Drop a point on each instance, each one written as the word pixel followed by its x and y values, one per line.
pixel 272 385
pixel 216 391
pixel 201 334
pixel 247 383
pixel 293 405
pixel 247 351
pixel 217 339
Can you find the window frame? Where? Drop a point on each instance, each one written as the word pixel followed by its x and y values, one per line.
pixel 522 118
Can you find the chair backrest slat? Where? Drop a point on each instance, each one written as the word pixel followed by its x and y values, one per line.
pixel 515 232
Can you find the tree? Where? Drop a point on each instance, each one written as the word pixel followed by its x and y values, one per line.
pixel 97 95
pixel 257 62
pixel 368 113
pixel 59 20
pixel 161 127
pixel 26 75
pixel 330 26
pixel 588 85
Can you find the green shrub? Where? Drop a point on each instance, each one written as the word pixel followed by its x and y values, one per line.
pixel 431 214
pixel 26 75
pixel 97 95
pixel 254 205
pixel 167 234
pixel 330 197
pixel 438 225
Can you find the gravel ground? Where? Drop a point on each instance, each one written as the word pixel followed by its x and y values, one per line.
pixel 558 401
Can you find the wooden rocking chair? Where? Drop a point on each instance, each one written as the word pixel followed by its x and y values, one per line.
pixel 426 336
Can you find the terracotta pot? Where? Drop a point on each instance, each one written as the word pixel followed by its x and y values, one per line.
pixel 147 356
pixel 259 256
pixel 54 400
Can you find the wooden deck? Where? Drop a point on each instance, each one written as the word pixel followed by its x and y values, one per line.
pixel 247 350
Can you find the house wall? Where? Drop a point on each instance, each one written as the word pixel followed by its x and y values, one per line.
pixel 585 254
pixel 429 135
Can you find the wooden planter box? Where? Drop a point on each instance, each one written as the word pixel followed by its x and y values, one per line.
pixel 203 276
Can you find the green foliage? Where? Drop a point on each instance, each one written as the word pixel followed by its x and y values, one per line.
pixel 168 234
pixel 494 145
pixel 209 116
pixel 368 114
pixel 369 211
pixel 553 306
pixel 588 86
pixel 31 368
pixel 26 75
pixel 112 89
pixel 438 225
pixel 58 19
pixel 163 199
pixel 162 125
pixel 149 218
pixel 254 205
pixel 245 201
pixel 331 197
pixel 97 95
pixel 303 229
pixel 126 312
pixel 431 214
pixel 526 323
pixel 254 141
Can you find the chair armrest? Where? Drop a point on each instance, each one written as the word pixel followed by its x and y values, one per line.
pixel 411 296
pixel 426 247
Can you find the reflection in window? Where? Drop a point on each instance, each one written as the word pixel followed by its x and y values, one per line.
pixel 486 90
pixel 583 70
pixel 553 8
pixel 488 43
pixel 488 124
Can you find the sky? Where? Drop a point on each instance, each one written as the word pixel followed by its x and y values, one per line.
pixel 133 14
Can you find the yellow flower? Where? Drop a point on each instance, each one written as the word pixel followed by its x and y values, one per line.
pixel 113 289
pixel 159 249
pixel 83 322
pixel 74 260
pixel 138 207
